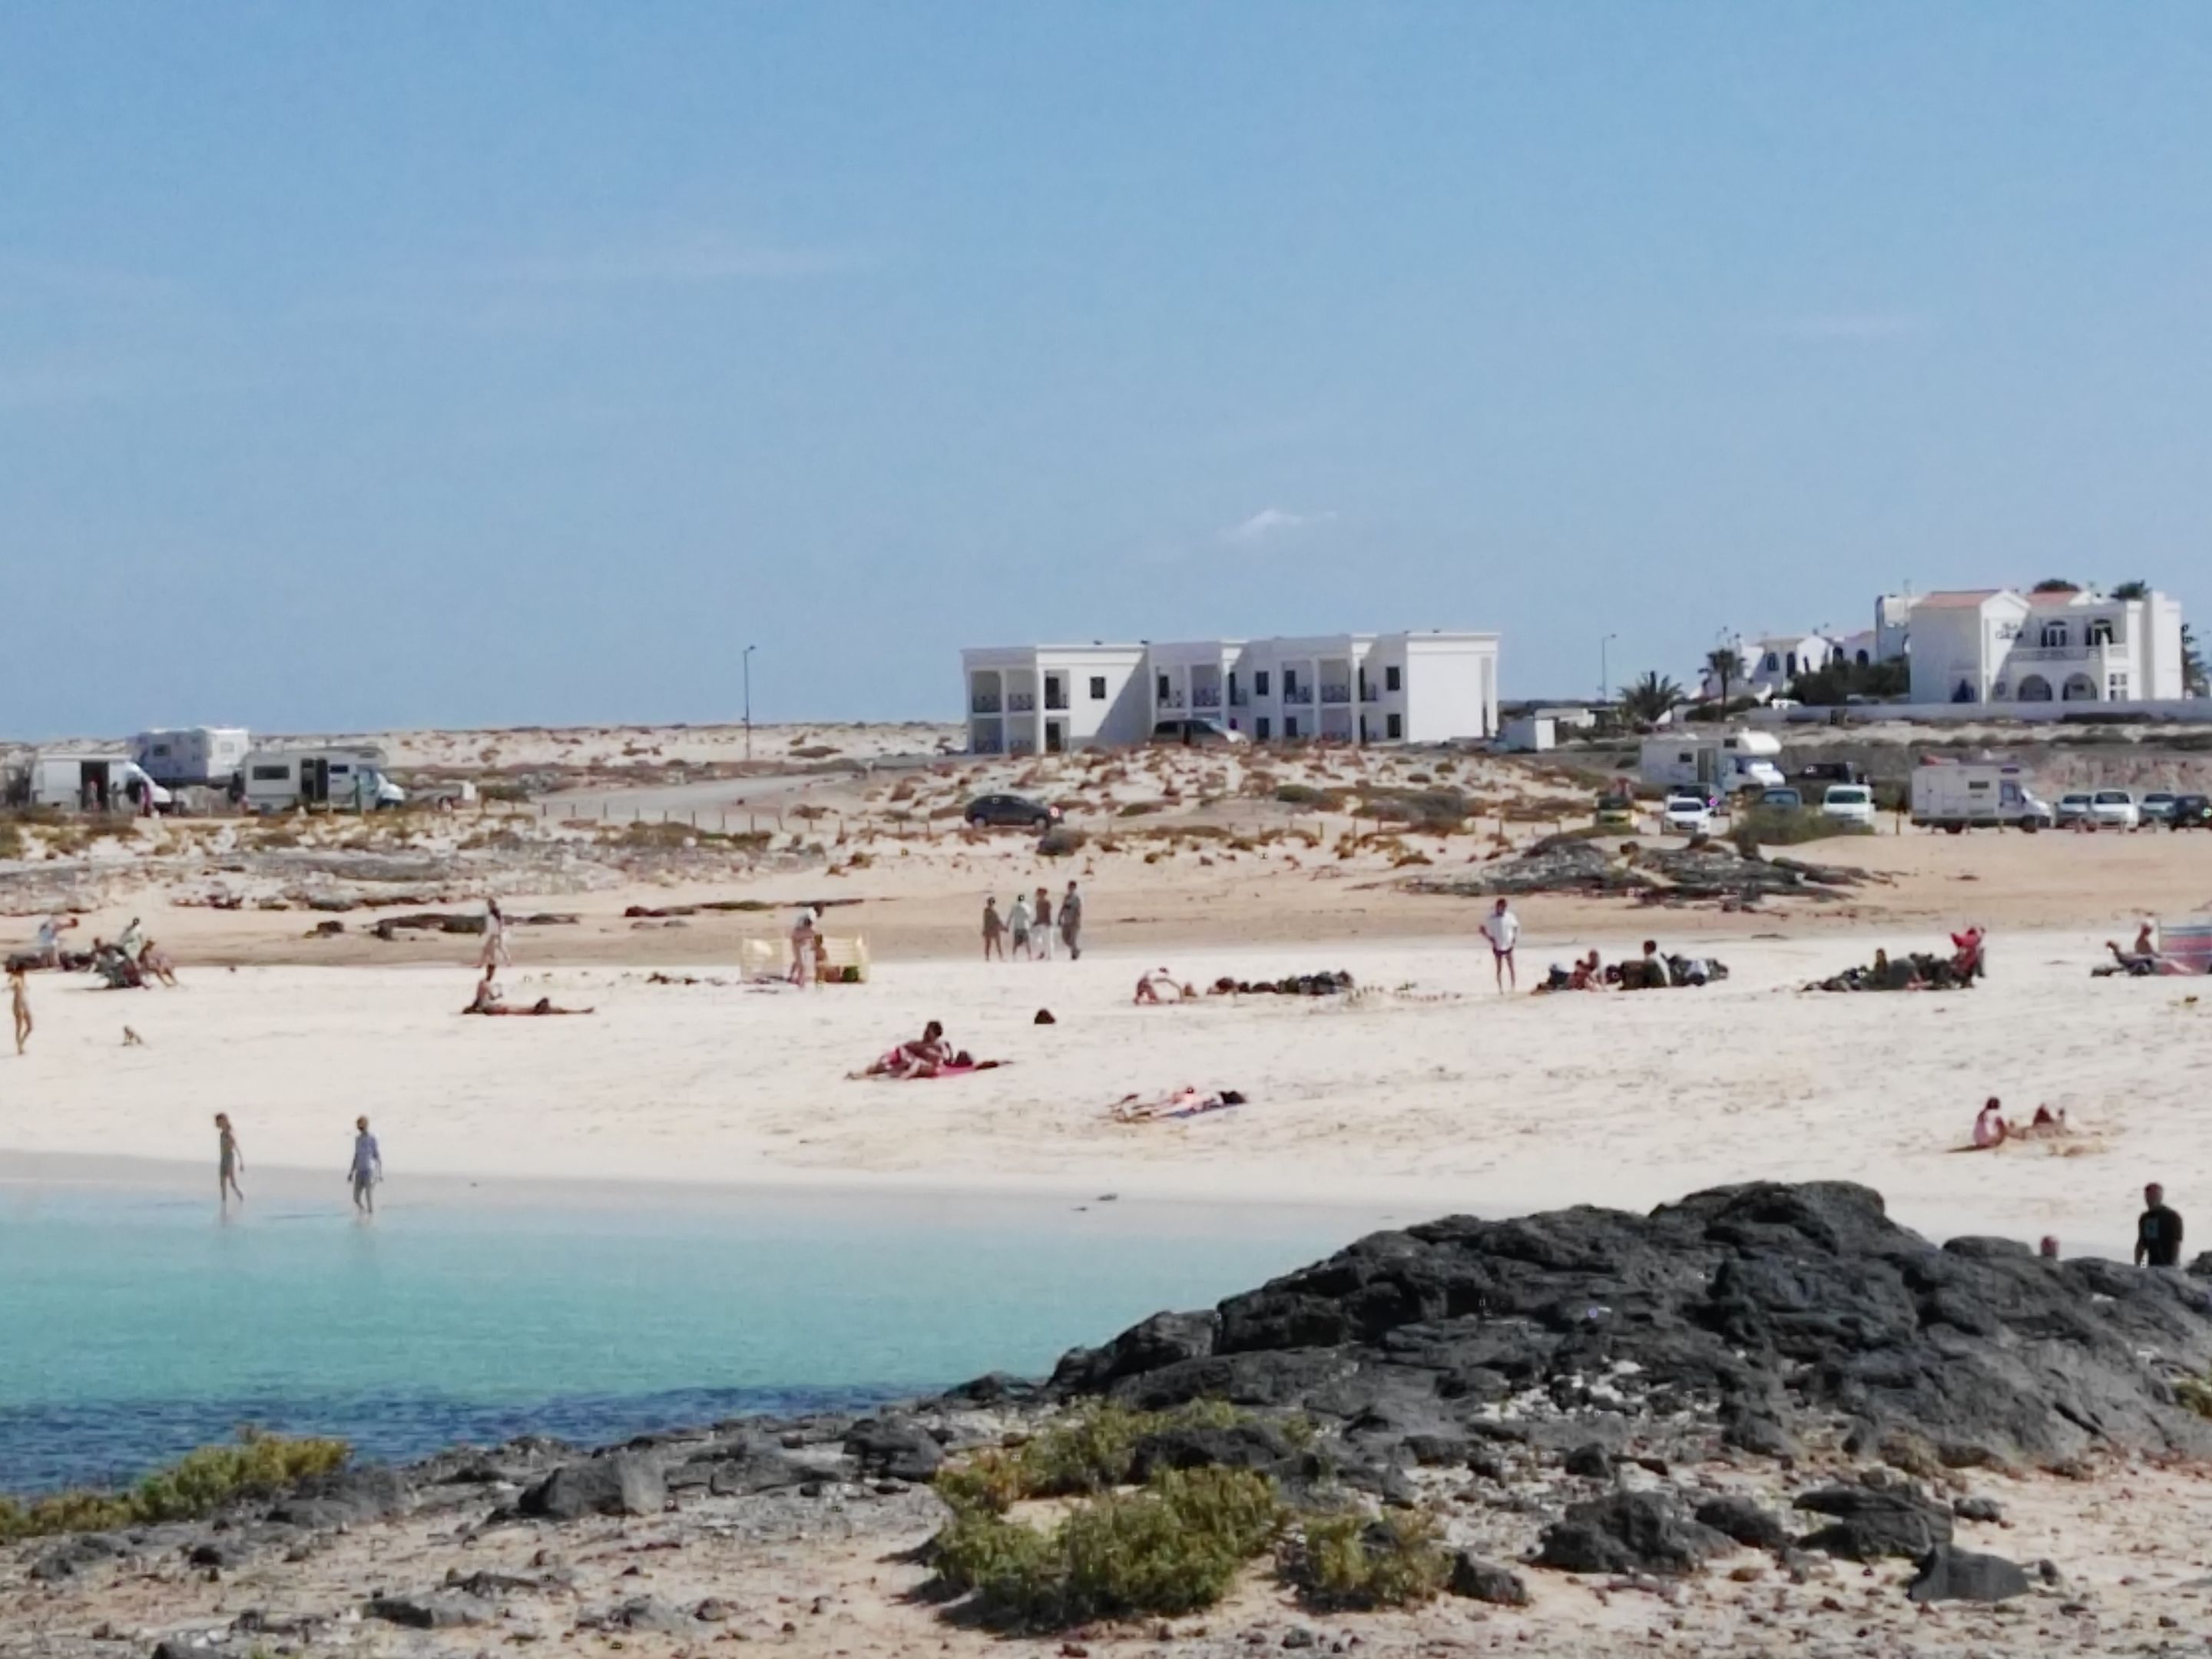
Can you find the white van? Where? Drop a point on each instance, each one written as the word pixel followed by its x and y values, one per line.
pixel 1959 795
pixel 1726 762
pixel 1849 803
pixel 187 755
pixel 90 783
pixel 278 780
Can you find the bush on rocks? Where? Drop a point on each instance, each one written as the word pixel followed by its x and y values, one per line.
pixel 1350 1561
pixel 197 1484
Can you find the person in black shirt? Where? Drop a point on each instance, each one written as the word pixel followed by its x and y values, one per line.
pixel 2158 1234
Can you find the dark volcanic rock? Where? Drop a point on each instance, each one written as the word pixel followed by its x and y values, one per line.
pixel 897 1447
pixel 1744 1521
pixel 1487 1581
pixel 1774 1308
pixel 1955 1575
pixel 1248 1445
pixel 438 1610
pixel 1627 1532
pixel 618 1483
pixel 1872 1522
pixel 351 1497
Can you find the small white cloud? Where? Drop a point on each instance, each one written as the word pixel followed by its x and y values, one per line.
pixel 1272 521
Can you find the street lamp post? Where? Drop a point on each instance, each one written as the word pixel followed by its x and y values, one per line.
pixel 749 699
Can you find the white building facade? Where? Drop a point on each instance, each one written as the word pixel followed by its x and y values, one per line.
pixel 1434 686
pixel 2001 646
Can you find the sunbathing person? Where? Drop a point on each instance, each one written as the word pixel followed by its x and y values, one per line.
pixel 1990 1129
pixel 1587 974
pixel 923 1057
pixel 2048 1126
pixel 1150 986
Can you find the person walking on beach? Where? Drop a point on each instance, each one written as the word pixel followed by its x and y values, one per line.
pixel 1071 922
pixel 994 931
pixel 802 947
pixel 367 1167
pixel 1502 929
pixel 494 954
pixel 19 993
pixel 1041 927
pixel 229 1162
pixel 1017 924
pixel 2158 1231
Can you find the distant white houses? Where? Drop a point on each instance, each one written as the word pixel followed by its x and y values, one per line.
pixel 1998 645
pixel 1431 687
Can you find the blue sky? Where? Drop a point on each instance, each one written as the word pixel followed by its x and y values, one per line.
pixel 399 365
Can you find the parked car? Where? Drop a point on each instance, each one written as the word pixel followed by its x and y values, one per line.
pixel 998 811
pixel 1689 815
pixel 2191 812
pixel 2157 806
pixel 1616 812
pixel 1852 803
pixel 1831 772
pixel 1782 801
pixel 2115 808
pixel 1196 733
pixel 2075 808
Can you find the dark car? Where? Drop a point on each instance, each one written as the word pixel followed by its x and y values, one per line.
pixel 997 812
pixel 1831 772
pixel 2191 812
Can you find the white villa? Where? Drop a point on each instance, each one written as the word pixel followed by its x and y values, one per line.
pixel 2000 645
pixel 1431 686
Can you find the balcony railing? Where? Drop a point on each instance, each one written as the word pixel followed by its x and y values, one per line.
pixel 1201 698
pixel 1293 692
pixel 1021 702
pixel 1237 698
pixel 982 705
pixel 1336 693
pixel 1055 702
pixel 2058 653
pixel 1369 694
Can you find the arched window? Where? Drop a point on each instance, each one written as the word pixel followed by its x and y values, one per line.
pixel 2100 630
pixel 2035 688
pixel 2000 692
pixel 2056 636
pixel 2080 688
pixel 1862 660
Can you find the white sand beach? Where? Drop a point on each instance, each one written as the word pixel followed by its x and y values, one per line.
pixel 1425 1089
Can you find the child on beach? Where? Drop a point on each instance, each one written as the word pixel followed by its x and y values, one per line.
pixel 229 1162
pixel 19 993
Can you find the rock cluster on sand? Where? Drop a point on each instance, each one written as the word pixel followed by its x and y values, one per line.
pixel 1762 1309
pixel 1707 872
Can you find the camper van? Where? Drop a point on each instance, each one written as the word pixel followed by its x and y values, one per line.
pixel 1959 795
pixel 190 755
pixel 88 783
pixel 278 780
pixel 1725 762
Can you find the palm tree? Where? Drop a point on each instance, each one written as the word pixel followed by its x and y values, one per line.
pixel 1726 666
pixel 1651 698
pixel 2136 589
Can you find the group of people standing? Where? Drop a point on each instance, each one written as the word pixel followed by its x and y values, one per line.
pixel 363 1174
pixel 1026 928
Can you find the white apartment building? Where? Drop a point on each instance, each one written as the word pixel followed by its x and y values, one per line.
pixel 2001 646
pixel 1433 687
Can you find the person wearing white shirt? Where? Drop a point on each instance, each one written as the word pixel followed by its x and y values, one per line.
pixel 1502 929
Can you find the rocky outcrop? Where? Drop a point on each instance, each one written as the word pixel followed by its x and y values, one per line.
pixel 1764 1311
pixel 619 1483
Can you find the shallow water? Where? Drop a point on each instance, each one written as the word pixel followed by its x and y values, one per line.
pixel 139 1325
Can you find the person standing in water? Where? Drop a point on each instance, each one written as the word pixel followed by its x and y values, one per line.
pixel 367 1167
pixel 19 993
pixel 230 1162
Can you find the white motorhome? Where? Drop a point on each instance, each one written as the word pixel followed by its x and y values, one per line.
pixel 278 780
pixel 1723 762
pixel 85 782
pixel 1956 795
pixel 183 756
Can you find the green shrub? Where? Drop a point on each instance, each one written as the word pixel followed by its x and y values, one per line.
pixel 1304 795
pixel 1060 841
pixel 11 841
pixel 1776 827
pixel 200 1483
pixel 1137 809
pixel 1172 1548
pixel 1352 1561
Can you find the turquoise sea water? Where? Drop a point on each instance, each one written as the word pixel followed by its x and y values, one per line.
pixel 137 1325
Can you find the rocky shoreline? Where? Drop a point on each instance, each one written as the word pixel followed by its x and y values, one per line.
pixel 1765 1418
